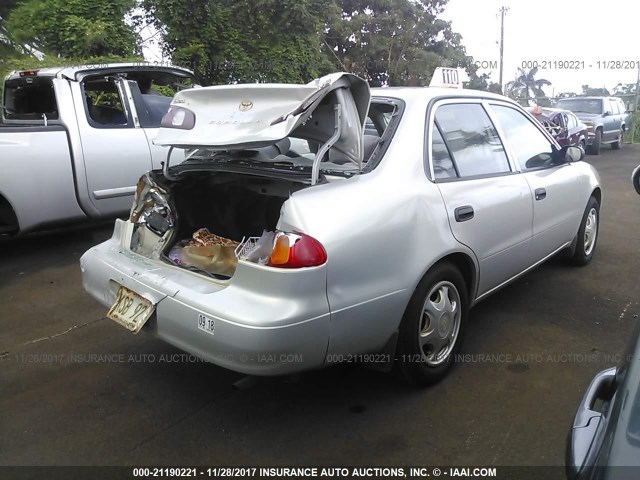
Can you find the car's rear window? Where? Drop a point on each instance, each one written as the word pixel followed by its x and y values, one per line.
pixel 30 98
pixel 581 105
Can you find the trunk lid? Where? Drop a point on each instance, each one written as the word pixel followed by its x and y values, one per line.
pixel 329 111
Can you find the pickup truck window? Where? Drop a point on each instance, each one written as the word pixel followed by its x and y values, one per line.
pixel 104 106
pixel 30 98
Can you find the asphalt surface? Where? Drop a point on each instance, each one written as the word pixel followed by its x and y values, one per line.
pixel 77 389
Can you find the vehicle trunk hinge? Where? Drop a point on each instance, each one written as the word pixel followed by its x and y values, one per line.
pixel 165 167
pixel 315 171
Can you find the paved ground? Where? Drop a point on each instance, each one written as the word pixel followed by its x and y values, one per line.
pixel 532 350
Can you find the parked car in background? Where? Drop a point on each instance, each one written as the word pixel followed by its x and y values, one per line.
pixel 367 244
pixel 604 440
pixel 75 140
pixel 563 126
pixel 606 119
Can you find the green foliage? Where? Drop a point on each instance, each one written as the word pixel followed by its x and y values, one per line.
pixel 229 41
pixel 73 28
pixel 595 92
pixel 482 82
pixel 624 89
pixel 399 42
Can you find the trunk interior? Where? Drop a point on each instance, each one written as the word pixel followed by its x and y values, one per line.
pixel 229 205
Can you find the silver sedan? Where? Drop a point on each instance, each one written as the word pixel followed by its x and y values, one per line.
pixel 321 223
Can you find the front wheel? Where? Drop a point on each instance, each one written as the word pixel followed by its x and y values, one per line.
pixel 617 145
pixel 433 326
pixel 594 149
pixel 587 234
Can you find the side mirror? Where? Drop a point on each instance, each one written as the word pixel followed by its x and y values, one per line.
pixel 572 154
pixel 635 179
pixel 606 114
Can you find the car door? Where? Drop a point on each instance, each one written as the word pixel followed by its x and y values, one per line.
pixel 488 203
pixel 616 118
pixel 116 152
pixel 611 121
pixel 572 129
pixel 555 185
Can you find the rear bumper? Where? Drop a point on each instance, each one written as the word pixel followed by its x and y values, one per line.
pixel 590 136
pixel 267 321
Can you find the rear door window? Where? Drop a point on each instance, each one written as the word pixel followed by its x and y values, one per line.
pixel 471 139
pixel 30 98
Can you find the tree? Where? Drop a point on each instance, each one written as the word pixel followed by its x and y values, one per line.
pixel 8 48
pixel 482 83
pixel 394 43
pixel 624 89
pixel 526 86
pixel 595 92
pixel 73 28
pixel 229 41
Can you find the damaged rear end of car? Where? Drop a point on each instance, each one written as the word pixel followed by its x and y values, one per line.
pixel 208 259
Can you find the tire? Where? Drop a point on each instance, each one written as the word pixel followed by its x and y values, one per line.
pixel 583 146
pixel 587 237
pixel 617 145
pixel 594 149
pixel 427 345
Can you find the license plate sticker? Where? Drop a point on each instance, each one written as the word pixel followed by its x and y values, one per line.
pixel 206 324
pixel 130 310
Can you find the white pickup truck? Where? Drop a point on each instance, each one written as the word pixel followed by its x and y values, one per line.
pixel 75 140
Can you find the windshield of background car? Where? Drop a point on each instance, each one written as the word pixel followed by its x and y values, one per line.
pixel 581 105
pixel 298 154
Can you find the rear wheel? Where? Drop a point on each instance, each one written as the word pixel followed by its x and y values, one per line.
pixel 595 146
pixel 587 234
pixel 433 325
pixel 617 145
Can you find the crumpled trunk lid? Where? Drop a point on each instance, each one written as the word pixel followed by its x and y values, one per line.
pixel 236 117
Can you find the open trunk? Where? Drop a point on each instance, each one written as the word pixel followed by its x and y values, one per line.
pixel 241 168
pixel 208 216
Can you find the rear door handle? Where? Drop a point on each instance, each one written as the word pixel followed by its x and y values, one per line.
pixel 463 214
pixel 541 194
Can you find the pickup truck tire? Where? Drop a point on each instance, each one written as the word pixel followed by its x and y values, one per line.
pixel 594 149
pixel 617 145
pixel 587 237
pixel 435 319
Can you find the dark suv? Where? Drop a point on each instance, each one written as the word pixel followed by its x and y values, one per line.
pixel 605 117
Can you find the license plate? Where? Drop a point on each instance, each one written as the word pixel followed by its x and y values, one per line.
pixel 130 310
pixel 206 324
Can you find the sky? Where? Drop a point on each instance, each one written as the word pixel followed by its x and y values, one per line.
pixel 559 31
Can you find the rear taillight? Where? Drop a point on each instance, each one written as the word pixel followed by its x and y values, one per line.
pixel 28 73
pixel 296 250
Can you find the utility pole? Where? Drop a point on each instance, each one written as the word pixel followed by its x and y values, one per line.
pixel 503 11
pixel 635 108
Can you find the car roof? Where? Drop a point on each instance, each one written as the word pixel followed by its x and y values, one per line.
pixel 584 97
pixel 547 110
pixel 420 93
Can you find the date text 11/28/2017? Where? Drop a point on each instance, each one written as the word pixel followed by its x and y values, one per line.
pixel 581 64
